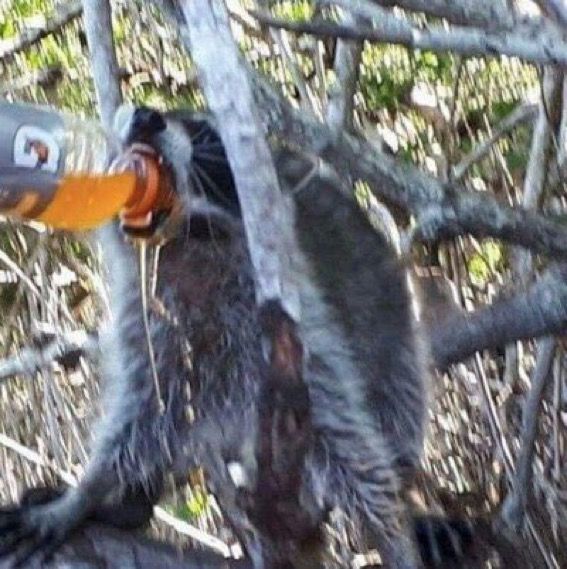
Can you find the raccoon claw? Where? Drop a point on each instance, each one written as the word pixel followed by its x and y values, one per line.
pixel 35 529
pixel 442 540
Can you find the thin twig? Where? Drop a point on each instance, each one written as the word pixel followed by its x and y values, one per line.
pixel 69 346
pixel 184 528
pixel 522 114
pixel 508 461
pixel 12 265
pixel 514 508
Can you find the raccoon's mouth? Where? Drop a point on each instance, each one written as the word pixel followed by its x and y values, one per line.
pixel 205 221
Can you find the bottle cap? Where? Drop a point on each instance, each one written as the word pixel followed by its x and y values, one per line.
pixel 152 196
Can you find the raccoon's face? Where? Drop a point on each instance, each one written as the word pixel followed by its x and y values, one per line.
pixel 194 164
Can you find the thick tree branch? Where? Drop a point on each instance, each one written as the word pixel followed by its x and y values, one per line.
pixel 483 13
pixel 98 27
pixel 441 211
pixel 224 80
pixel 98 547
pixel 540 311
pixel 65 13
pixel 530 42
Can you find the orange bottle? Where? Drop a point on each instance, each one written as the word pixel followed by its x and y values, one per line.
pixel 57 169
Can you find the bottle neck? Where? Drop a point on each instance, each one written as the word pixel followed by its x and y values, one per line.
pixel 152 193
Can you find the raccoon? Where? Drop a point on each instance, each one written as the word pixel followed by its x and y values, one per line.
pixel 365 367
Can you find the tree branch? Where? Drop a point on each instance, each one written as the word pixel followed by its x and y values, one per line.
pixel 106 75
pixel 65 12
pixel 98 547
pixel 339 112
pixel 483 13
pixel 529 41
pixel 224 80
pixel 65 349
pixel 514 507
pixel 522 114
pixel 540 311
pixel 441 211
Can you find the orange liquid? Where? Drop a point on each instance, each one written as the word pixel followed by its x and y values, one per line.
pixel 85 202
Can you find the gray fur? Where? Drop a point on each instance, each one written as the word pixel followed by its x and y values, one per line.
pixel 363 367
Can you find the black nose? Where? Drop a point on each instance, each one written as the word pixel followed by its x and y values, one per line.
pixel 147 122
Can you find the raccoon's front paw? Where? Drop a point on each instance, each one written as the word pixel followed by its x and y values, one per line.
pixel 38 526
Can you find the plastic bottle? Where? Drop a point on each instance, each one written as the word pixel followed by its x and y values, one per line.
pixel 57 169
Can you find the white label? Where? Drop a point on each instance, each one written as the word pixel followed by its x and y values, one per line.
pixel 36 148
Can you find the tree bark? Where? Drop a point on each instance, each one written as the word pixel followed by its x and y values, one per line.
pixel 98 27
pixel 98 547
pixel 540 311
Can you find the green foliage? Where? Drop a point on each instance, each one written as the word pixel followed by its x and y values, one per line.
pixel 294 10
pixel 7 28
pixel 196 506
pixel 434 66
pixel 385 77
pixel 13 19
pixel 388 73
pixel 487 261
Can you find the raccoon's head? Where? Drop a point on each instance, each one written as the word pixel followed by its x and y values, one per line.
pixel 193 158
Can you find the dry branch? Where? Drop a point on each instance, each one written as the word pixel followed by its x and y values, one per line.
pixel 99 547
pixel 522 114
pixel 106 75
pixel 540 311
pixel 483 13
pixel 65 349
pixel 340 107
pixel 441 211
pixel 224 80
pixel 514 508
pixel 65 13
pixel 536 43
